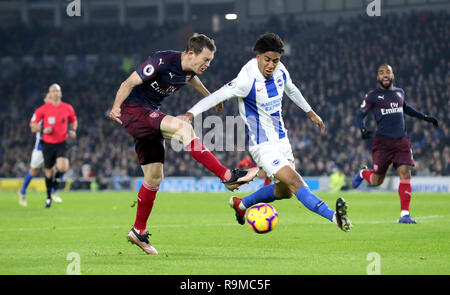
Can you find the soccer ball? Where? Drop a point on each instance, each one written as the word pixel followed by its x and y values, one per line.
pixel 262 218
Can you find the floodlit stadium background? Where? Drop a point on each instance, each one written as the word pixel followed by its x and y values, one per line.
pixel 333 50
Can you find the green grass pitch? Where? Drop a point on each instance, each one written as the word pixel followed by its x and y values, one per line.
pixel 196 234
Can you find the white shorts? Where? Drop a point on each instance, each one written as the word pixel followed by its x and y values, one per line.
pixel 272 156
pixel 37 159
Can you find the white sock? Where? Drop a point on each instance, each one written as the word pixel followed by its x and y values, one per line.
pixel 242 207
pixel 334 218
pixel 403 213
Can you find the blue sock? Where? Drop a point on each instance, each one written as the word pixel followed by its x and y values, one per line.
pixel 26 182
pixel 263 195
pixel 313 203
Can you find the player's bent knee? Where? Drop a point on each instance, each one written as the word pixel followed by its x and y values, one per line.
pixel 34 171
pixel 153 181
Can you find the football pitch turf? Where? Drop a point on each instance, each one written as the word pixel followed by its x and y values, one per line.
pixel 196 234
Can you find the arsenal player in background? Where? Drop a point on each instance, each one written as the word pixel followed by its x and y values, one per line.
pixel 56 116
pixel 391 144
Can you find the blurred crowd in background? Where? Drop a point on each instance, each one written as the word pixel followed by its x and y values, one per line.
pixel 333 65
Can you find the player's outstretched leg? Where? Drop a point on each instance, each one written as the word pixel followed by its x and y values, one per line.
pixel 316 205
pixel 358 178
pixel 264 195
pixel 239 177
pixel 141 240
pixel 174 128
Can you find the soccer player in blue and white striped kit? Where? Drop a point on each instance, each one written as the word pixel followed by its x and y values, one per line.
pixel 259 88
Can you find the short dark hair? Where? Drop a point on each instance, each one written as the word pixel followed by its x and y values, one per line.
pixel 269 42
pixel 199 41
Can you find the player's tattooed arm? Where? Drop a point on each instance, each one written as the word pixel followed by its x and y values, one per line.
pixel 125 89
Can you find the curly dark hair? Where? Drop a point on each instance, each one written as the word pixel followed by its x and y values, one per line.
pixel 269 42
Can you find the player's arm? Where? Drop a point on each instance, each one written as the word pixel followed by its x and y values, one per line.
pixel 124 91
pixel 198 86
pixel 73 129
pixel 206 103
pixel 359 120
pixel 410 111
pixel 239 87
pixel 35 123
pixel 35 127
pixel 73 122
pixel 297 97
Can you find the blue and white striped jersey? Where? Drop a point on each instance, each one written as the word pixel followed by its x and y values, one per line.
pixel 259 101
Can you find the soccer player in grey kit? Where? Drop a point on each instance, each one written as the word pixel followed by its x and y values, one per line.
pixel 391 144
pixel 137 108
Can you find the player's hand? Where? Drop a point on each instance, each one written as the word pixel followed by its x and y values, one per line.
pixel 72 134
pixel 115 114
pixel 317 120
pixel 432 120
pixel 366 134
pixel 188 117
pixel 219 107
pixel 47 130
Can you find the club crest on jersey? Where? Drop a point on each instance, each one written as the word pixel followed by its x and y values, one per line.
pixel 276 162
pixel 153 115
pixel 51 120
pixel 188 77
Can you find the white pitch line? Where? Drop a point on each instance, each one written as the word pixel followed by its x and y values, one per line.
pixel 106 227
pixel 188 225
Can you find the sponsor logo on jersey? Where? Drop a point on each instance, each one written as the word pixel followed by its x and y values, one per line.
pixel 276 162
pixel 163 91
pixel 148 70
pixel 393 110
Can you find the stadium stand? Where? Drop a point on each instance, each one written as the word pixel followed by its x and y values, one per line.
pixel 92 61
